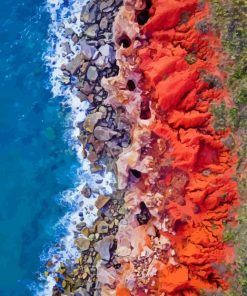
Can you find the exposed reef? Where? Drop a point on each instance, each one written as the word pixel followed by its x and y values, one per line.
pixel 156 80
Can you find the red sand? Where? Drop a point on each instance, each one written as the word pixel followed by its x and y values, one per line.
pixel 194 165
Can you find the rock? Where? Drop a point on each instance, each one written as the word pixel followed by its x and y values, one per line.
pixel 103 133
pixel 56 291
pixel 92 31
pixel 83 67
pixel 75 38
pixel 91 121
pixel 89 260
pixel 107 52
pixel 103 247
pixel 102 227
pixel 101 63
pixel 82 243
pixel 64 284
pixel 103 23
pixel 81 292
pixel 66 47
pixel 68 32
pixel 123 251
pixel 87 50
pixel 75 64
pixel 89 14
pixel 101 201
pixel 96 168
pixel 92 73
pixel 86 191
pixel 104 5
pixel 84 87
pixel 85 231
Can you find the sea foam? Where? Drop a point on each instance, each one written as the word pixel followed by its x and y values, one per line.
pixel 65 14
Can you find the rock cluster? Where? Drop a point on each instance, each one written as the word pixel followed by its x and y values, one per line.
pixel 103 135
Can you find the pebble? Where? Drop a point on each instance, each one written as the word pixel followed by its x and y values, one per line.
pixel 92 31
pixel 107 52
pixel 87 50
pixel 83 243
pixel 103 247
pixel 86 191
pixel 66 47
pixel 88 14
pixel 75 63
pixel 103 133
pixel 92 73
pixel 106 4
pixel 101 63
pixel 91 121
pixel 102 227
pixel 83 67
pixel 101 201
pixel 103 23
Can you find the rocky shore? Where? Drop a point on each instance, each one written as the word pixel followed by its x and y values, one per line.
pixel 103 135
pixel 152 76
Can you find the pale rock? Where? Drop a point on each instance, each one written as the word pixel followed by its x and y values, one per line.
pixel 87 50
pixel 107 52
pixel 92 73
pixel 103 23
pixel 104 5
pixel 75 63
pixel 103 247
pixel 82 243
pixel 123 251
pixel 107 276
pixel 91 121
pixel 103 133
pixel 92 31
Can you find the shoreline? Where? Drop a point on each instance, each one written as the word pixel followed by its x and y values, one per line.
pixel 127 123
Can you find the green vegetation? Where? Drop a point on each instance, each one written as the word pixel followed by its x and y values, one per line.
pixel 230 19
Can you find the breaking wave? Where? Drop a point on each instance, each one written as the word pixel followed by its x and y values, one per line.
pixel 65 18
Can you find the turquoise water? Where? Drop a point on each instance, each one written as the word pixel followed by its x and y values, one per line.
pixel 35 161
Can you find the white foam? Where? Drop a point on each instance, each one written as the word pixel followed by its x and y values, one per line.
pixel 103 183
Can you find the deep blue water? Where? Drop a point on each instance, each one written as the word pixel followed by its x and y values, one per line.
pixel 34 160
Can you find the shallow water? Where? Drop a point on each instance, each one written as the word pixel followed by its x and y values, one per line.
pixel 36 164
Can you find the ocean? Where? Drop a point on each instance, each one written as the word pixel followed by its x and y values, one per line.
pixel 36 162
pixel 42 171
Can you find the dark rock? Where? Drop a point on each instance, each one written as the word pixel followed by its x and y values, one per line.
pixel 56 291
pixel 86 191
pixel 144 215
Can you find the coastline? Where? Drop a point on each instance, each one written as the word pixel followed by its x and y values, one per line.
pixel 116 93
